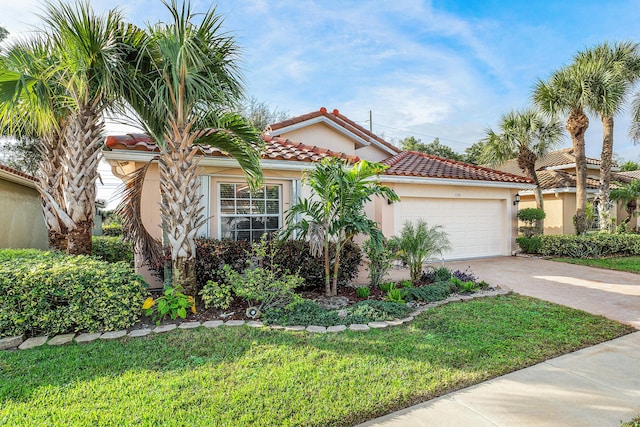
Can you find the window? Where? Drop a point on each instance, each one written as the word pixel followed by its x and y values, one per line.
pixel 247 216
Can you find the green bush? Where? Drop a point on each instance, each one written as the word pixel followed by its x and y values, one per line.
pixel 306 312
pixel 292 255
pixel 380 261
pixel 430 293
pixel 216 295
pixel 112 249
pixel 112 229
pixel 529 245
pixel 531 217
pixel 49 293
pixel 590 245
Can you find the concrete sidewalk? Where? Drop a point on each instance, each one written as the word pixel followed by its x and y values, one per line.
pixel 596 386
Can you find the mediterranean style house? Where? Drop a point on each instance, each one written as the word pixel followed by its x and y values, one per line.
pixel 475 205
pixel 557 175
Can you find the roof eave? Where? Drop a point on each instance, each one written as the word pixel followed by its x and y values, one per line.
pixel 17 179
pixel 453 181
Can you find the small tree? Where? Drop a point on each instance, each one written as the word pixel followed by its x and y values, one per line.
pixel 531 217
pixel 335 210
pixel 380 257
pixel 417 243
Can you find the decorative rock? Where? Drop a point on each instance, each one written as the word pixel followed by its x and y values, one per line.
pixel 164 328
pixel 255 324
pixel 378 325
pixel 112 335
pixel 212 323
pixel 276 327
pixel 337 328
pixel 317 329
pixel 294 328
pixel 140 332
pixel 342 314
pixel 359 327
pixel 332 303
pixel 189 325
pixel 466 297
pixel 407 319
pixel 234 323
pixel 33 342
pixel 395 322
pixel 83 338
pixel 11 342
pixel 61 339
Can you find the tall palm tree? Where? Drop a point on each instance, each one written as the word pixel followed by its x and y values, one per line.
pixel 88 61
pixel 183 88
pixel 619 68
pixel 568 92
pixel 526 135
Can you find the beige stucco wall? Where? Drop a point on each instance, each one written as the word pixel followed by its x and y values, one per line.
pixel 321 135
pixel 21 221
pixel 372 153
pixel 555 210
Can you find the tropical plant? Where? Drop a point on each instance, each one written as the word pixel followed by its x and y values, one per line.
pixel 628 194
pixel 183 89
pixel 380 257
pixel 56 88
pixel 396 295
pixel 417 243
pixel 363 292
pixel 567 92
pixel 619 68
pixel 526 135
pixel 216 295
pixel 335 210
pixel 173 303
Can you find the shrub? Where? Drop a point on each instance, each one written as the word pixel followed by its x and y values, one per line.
pixel 306 312
pixel 417 243
pixel 464 276
pixel 429 293
pixel 216 295
pixel 49 293
pixel 380 260
pixel 112 249
pixel 442 274
pixel 292 255
pixel 531 216
pixel 112 229
pixel 529 245
pixel 396 295
pixel 363 292
pixel 172 303
pixel 590 245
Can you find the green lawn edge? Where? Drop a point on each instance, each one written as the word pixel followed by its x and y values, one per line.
pixel 263 377
pixel 628 264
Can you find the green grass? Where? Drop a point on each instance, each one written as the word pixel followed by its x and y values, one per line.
pixel 262 377
pixel 631 264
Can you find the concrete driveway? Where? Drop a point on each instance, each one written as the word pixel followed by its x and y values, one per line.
pixel 612 294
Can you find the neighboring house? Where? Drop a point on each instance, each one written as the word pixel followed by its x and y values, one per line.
pixel 557 175
pixel 626 178
pixel 474 204
pixel 21 221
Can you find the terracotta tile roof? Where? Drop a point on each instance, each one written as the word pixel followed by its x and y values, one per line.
pixel 338 119
pixel 555 158
pixel 630 175
pixel 17 173
pixel 275 148
pixel 412 163
pixel 550 179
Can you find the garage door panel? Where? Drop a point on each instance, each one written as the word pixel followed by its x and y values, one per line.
pixel 476 228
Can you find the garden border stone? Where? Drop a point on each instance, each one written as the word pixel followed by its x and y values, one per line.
pixel 87 337
pixel 61 339
pixel 113 335
pixel 11 342
pixel 33 342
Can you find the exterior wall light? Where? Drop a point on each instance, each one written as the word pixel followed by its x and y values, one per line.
pixel 516 199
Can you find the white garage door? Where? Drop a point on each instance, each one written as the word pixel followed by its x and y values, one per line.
pixel 476 228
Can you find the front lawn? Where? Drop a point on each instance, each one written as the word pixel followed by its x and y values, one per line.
pixel 262 377
pixel 631 263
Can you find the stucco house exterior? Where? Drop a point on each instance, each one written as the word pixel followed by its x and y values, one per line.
pixel 21 221
pixel 557 175
pixel 475 205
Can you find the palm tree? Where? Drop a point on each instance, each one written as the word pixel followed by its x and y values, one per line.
pixel 87 61
pixel 183 87
pixel 619 68
pixel 524 134
pixel 629 194
pixel 335 210
pixel 568 92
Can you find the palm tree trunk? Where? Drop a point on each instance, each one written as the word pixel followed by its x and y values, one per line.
pixel 180 208
pixel 527 162
pixel 336 269
pixel 80 172
pixel 327 267
pixel 605 173
pixel 577 125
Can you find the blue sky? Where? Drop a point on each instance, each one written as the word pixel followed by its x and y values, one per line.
pixel 442 68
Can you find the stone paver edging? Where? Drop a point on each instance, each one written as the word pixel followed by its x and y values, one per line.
pixel 19 342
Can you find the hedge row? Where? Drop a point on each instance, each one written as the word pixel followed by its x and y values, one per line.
pixel 112 249
pixel 583 246
pixel 49 293
pixel 292 255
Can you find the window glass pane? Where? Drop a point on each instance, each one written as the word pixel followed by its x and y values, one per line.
pixel 247 216
pixel 258 207
pixel 273 223
pixel 273 207
pixel 242 192
pixel 258 194
pixel 273 192
pixel 227 191
pixel 227 207
pixel 243 207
